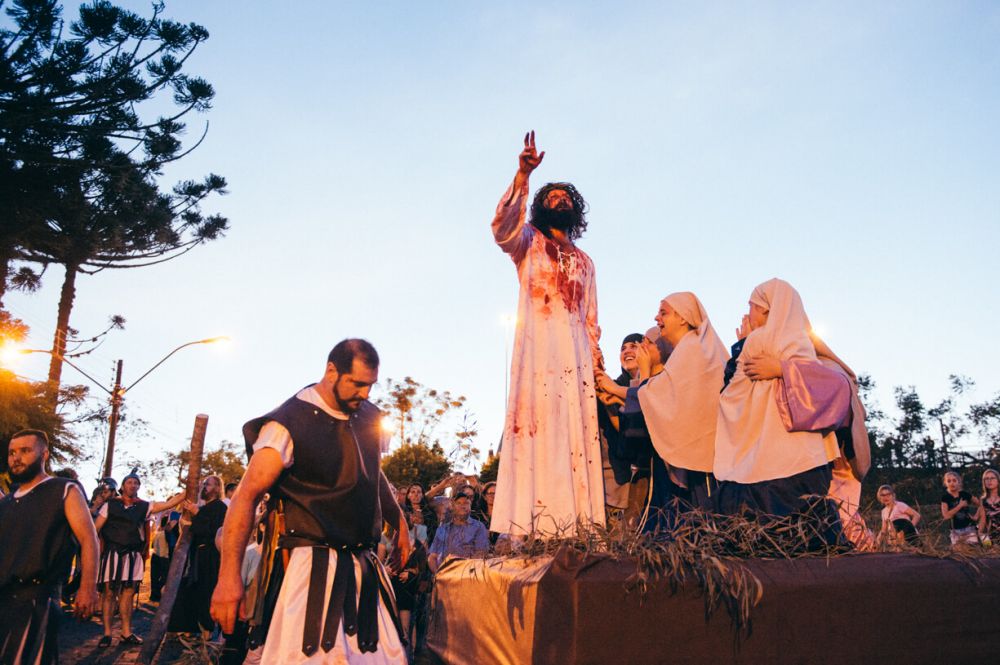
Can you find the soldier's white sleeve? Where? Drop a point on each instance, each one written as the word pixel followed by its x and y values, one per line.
pixel 275 435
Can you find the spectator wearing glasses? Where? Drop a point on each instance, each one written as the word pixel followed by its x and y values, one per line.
pixel 488 494
pixel 463 536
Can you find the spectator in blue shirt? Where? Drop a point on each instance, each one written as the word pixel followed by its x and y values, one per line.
pixel 463 536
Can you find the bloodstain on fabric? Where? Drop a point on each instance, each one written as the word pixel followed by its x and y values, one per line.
pixel 569 267
pixel 552 249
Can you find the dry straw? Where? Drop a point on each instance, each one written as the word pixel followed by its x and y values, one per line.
pixel 711 551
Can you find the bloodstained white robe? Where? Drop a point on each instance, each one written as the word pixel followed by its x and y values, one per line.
pixel 550 471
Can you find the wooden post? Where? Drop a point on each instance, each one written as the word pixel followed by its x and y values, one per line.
pixel 116 403
pixel 169 594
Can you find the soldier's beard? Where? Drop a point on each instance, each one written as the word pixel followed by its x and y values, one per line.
pixel 29 473
pixel 345 406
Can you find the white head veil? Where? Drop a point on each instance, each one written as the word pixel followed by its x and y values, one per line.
pixel 752 444
pixel 680 404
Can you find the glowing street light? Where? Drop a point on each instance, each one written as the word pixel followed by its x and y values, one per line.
pixel 117 392
pixel 10 351
pixel 388 427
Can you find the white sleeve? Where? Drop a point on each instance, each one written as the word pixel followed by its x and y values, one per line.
pixel 274 435
pixel 103 512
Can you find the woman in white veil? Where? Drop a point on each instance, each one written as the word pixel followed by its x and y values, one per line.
pixel 763 467
pixel 676 408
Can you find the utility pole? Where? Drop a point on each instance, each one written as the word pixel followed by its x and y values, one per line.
pixel 116 403
pixel 117 393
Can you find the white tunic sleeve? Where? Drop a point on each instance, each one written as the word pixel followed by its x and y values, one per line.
pixel 593 330
pixel 509 228
pixel 275 435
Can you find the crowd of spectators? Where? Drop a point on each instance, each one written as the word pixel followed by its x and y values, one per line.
pixel 971 520
pixel 449 519
pixel 133 532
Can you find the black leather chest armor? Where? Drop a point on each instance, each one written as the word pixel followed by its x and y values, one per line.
pixel 36 542
pixel 330 493
pixel 123 529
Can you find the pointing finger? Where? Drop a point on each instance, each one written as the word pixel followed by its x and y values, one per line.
pixel 532 138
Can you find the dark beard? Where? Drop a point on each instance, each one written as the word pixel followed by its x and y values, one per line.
pixel 563 220
pixel 342 406
pixel 30 472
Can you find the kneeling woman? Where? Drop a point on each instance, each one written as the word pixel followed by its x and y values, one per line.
pixel 763 468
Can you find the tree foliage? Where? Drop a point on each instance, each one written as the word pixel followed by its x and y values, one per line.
pixel 416 463
pixel 428 417
pixel 488 472
pixel 170 471
pixel 12 330
pixel 917 437
pixel 24 405
pixel 79 163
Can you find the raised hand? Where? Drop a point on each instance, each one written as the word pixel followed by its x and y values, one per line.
pixel 530 158
pixel 644 361
pixel 744 328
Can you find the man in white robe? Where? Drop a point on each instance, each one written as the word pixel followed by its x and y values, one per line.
pixel 550 476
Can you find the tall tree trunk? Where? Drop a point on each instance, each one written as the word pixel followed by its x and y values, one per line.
pixel 5 260
pixel 944 444
pixel 66 297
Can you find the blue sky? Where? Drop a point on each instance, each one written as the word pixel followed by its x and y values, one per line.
pixel 849 148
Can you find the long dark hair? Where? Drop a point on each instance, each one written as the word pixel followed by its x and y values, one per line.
pixel 542 217
pixel 424 503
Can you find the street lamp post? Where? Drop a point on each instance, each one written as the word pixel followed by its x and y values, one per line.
pixel 117 393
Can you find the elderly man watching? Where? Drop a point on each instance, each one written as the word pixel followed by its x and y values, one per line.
pixel 463 536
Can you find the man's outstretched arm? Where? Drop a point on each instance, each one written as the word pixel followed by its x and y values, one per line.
pixel 172 502
pixel 508 223
pixel 263 471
